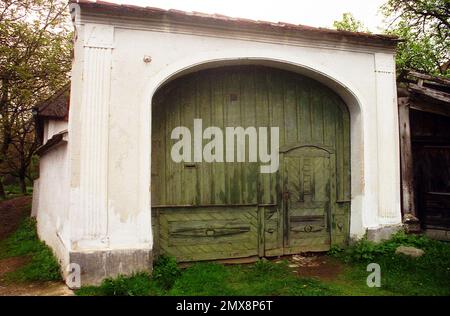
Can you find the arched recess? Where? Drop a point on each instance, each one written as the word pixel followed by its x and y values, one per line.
pixel 349 106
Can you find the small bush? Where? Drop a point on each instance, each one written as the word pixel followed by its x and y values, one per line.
pixel 136 285
pixel 335 250
pixel 366 251
pixel 166 271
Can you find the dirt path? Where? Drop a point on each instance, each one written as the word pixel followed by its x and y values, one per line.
pixel 314 265
pixel 11 214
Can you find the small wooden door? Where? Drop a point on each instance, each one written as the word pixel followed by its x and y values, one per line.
pixel 307 178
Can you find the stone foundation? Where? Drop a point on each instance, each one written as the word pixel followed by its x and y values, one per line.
pixel 383 233
pixel 97 265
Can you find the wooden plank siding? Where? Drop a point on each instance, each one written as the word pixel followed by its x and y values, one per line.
pixel 242 205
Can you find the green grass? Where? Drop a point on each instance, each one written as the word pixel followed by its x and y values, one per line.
pixel 43 265
pixel 261 278
pixel 207 279
pixel 400 275
pixel 13 191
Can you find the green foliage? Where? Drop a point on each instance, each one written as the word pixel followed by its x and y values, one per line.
pixel 43 265
pixel 349 23
pixel 35 59
pixel 13 190
pixel 166 271
pixel 424 27
pixel 335 250
pixel 367 251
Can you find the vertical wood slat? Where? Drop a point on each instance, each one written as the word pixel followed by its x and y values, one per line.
pixel 188 103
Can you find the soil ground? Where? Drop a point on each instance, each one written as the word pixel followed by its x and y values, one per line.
pixel 12 212
pixel 317 266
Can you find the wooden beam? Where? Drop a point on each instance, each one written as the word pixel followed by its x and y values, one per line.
pixel 422 76
pixel 406 164
pixel 431 107
pixel 436 95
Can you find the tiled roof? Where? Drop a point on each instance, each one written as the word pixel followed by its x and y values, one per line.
pixel 57 106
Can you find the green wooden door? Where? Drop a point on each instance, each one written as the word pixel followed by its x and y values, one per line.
pixel 307 179
pixel 218 210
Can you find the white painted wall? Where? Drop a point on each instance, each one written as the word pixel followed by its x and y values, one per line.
pixel 53 197
pixel 110 117
pixel 53 127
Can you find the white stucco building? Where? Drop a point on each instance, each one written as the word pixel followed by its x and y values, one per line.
pixel 95 204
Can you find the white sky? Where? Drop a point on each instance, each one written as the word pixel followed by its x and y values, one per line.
pixel 320 13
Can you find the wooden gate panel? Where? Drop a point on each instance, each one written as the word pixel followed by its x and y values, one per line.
pixel 208 233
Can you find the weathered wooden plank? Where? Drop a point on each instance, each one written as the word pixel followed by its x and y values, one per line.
pixel 262 115
pixel 316 114
pixel 249 170
pixel 188 103
pixel 290 110
pixel 406 163
pixel 218 116
pixel 232 102
pixel 204 180
pixel 304 119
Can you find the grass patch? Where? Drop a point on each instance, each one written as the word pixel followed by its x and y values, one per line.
pixel 212 279
pixel 262 278
pixel 13 191
pixel 140 284
pixel 402 275
pixel 43 265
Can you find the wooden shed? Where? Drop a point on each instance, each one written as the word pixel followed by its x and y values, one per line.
pixel 424 116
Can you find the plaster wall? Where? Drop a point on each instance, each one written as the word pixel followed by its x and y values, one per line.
pixel 53 196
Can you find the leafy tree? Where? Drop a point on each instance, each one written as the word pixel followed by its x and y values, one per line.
pixel 35 49
pixel 424 27
pixel 349 23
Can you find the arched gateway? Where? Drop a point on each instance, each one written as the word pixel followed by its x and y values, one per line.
pixel 111 195
pixel 228 209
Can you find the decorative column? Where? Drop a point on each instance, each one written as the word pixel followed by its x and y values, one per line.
pixel 388 141
pixel 92 212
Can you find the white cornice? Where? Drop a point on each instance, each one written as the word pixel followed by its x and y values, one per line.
pixel 210 30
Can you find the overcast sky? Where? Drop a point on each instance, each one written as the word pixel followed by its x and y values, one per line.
pixel 309 12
